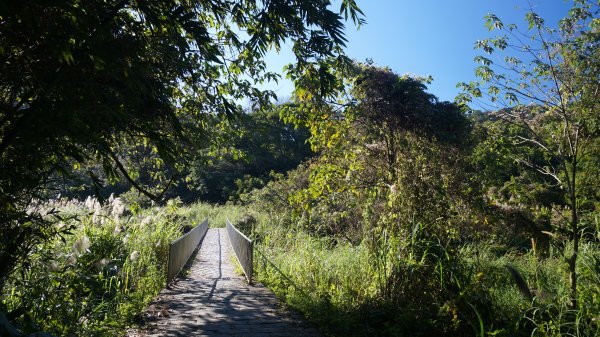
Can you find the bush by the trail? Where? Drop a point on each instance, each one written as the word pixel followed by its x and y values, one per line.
pixel 95 279
pixel 414 286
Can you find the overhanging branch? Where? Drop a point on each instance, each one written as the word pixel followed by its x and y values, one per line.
pixel 131 180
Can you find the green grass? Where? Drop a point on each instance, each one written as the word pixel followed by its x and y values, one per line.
pixel 335 286
pixel 98 279
pixel 216 214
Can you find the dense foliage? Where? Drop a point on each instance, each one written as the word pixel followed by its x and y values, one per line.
pixel 251 148
pixel 98 278
pixel 385 159
pixel 376 209
pixel 118 80
pixel 391 187
pixel 421 217
pixel 397 230
pixel 259 145
pixel 549 84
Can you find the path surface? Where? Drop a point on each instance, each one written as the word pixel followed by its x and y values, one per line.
pixel 212 300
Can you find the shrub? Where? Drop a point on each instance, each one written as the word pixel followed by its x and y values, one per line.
pixel 96 280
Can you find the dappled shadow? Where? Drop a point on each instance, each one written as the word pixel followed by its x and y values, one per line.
pixel 219 268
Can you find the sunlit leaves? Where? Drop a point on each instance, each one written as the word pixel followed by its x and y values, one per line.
pixel 527 61
pixel 512 61
pixel 493 22
pixel 493 90
pixel 501 42
pixel 483 60
pixel 485 45
pixel 534 20
pixel 349 7
pixel 379 151
pixel 510 97
pixel 469 91
pixel 485 73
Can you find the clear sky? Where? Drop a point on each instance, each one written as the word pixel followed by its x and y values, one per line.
pixel 428 37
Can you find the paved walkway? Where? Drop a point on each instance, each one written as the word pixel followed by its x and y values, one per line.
pixel 212 300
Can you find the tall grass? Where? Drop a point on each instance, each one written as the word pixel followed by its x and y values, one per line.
pixel 216 214
pixel 327 283
pixel 462 291
pixel 98 279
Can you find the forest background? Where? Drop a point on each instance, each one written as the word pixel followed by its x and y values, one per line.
pixel 377 209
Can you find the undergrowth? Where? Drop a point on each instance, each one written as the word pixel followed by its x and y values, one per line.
pixel 216 214
pixel 463 291
pixel 97 279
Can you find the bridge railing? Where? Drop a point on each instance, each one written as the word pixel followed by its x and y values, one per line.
pixel 181 249
pixel 243 248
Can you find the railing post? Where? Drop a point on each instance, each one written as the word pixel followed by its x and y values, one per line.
pixel 251 267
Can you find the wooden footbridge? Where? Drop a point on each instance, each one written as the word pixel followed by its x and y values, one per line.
pixel 211 299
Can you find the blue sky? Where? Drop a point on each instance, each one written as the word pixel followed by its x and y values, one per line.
pixel 428 37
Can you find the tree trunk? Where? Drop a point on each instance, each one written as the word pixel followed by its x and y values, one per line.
pixel 575 238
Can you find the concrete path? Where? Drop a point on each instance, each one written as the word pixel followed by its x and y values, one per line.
pixel 212 300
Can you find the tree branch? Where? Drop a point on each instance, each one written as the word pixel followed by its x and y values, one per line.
pixel 131 180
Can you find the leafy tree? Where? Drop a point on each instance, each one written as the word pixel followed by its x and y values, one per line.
pixel 86 80
pixel 389 175
pixel 559 71
pixel 385 153
pixel 516 197
pixel 262 143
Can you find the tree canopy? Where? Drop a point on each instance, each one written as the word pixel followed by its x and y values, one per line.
pixel 81 80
